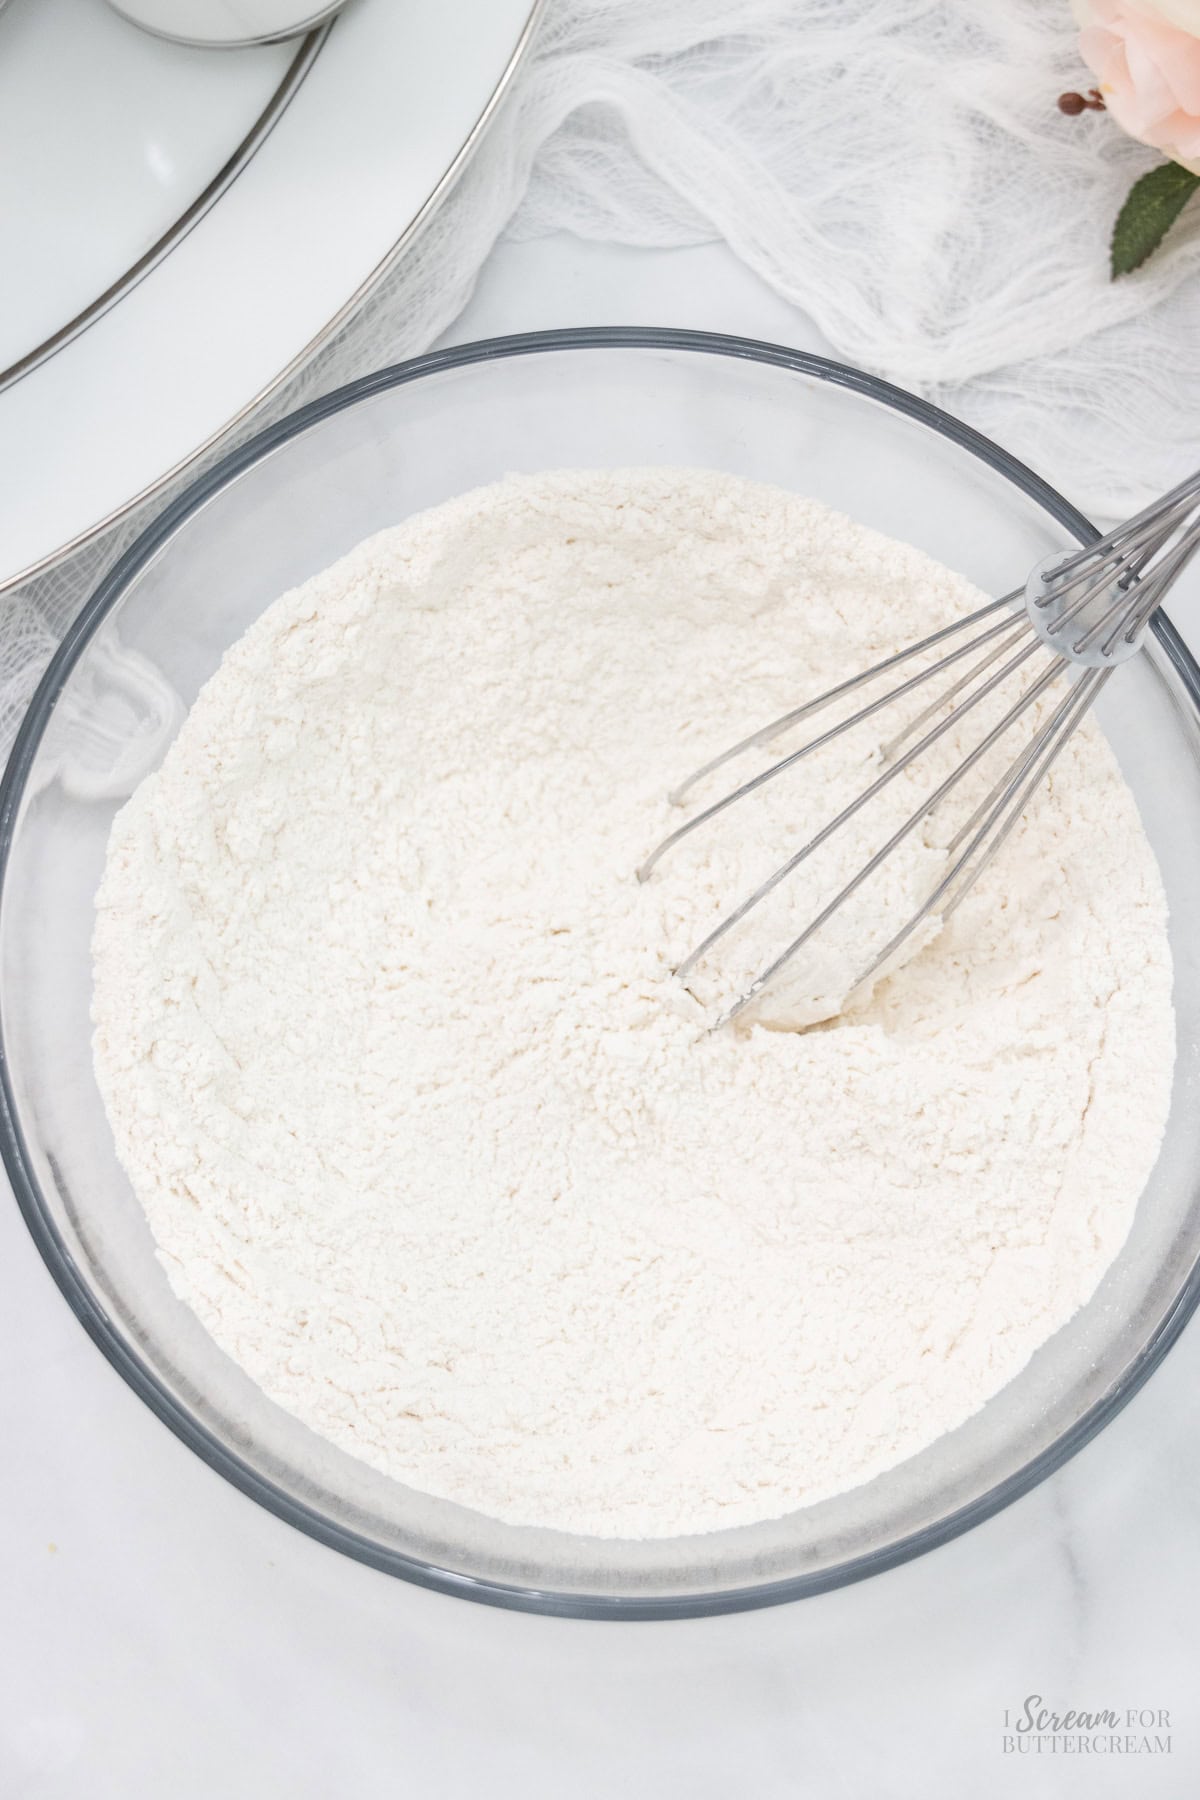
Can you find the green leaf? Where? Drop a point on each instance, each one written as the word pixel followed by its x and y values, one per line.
pixel 1151 208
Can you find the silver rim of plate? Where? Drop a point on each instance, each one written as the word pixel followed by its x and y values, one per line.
pixel 298 68
pixel 159 257
pixel 266 30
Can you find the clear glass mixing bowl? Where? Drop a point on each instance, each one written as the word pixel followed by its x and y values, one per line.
pixel 284 506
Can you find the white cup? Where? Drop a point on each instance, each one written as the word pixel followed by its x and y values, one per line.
pixel 226 23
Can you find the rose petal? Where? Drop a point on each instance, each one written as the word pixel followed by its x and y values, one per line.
pixel 1176 56
pixel 1148 70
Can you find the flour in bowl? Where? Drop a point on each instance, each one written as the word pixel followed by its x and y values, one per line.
pixel 432 1140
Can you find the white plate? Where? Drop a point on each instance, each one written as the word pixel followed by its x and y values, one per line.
pixel 128 150
pixel 122 159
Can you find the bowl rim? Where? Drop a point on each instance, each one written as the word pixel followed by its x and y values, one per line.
pixel 70 1278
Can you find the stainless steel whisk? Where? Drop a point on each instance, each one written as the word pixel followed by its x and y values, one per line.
pixel 1083 611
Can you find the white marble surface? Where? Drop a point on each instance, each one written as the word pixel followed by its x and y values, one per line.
pixel 164 1636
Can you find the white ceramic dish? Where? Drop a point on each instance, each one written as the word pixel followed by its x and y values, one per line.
pixel 109 142
pixel 394 96
pixel 228 23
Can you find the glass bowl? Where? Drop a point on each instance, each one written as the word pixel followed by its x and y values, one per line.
pixel 286 505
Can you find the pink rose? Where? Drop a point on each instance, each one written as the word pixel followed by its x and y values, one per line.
pixel 1145 54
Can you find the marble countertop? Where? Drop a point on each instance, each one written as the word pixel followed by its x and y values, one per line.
pixel 164 1636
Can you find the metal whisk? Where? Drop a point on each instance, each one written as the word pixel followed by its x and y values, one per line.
pixel 1081 612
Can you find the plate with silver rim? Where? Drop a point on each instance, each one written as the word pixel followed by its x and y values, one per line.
pixel 192 224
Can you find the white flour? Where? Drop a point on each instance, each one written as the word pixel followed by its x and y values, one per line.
pixel 434 1144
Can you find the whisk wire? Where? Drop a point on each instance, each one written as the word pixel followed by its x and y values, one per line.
pixel 1053 742
pixel 1019 630
pixel 814 744
pixel 1143 527
pixel 856 805
pixel 1088 609
pixel 1012 793
pixel 910 824
pixel 1110 589
pixel 767 733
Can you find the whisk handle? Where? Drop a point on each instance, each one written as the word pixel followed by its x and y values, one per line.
pixel 1093 605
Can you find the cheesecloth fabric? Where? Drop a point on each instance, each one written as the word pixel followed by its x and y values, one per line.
pixel 897 169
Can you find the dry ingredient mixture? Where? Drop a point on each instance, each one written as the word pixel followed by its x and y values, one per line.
pixel 436 1146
